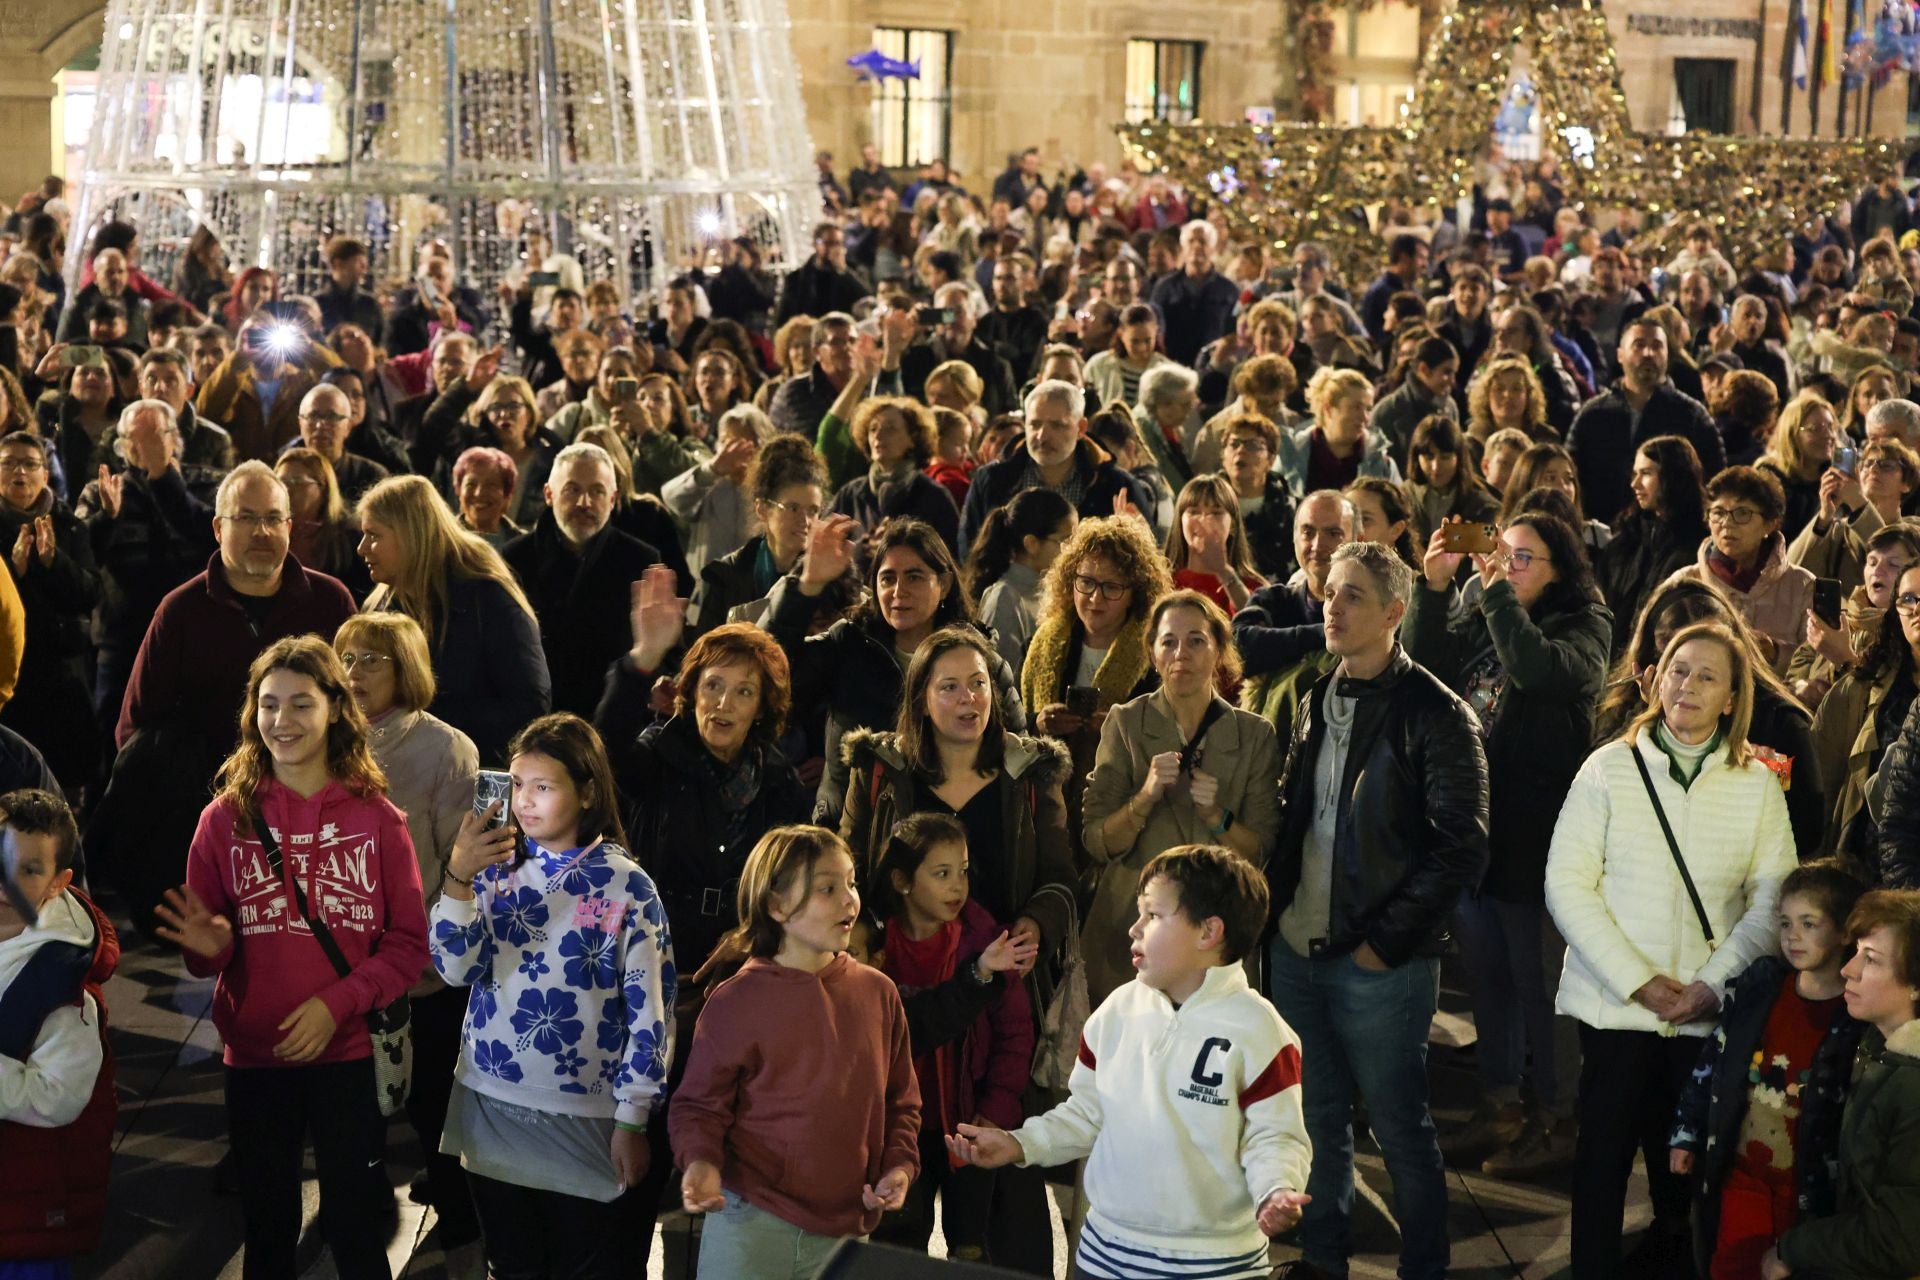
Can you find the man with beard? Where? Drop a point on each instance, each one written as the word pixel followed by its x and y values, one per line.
pixel 1641 405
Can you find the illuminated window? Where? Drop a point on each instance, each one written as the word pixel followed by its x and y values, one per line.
pixel 1163 80
pixel 913 119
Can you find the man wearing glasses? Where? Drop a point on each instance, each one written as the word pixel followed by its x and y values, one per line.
pixel 824 283
pixel 192 666
pixel 325 419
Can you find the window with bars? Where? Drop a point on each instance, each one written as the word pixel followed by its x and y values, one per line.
pixel 913 119
pixel 1163 80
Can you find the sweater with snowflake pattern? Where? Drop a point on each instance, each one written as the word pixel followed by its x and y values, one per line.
pixel 572 983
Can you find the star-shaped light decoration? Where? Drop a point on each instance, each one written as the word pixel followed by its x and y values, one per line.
pixel 1285 183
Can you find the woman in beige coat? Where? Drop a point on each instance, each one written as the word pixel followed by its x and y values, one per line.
pixel 1176 766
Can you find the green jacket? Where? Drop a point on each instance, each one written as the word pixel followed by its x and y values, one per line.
pixel 1876 1233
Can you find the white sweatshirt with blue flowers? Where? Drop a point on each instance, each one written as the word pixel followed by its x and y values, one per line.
pixel 571 970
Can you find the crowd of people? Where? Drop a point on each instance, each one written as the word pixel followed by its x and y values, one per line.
pixel 1026 699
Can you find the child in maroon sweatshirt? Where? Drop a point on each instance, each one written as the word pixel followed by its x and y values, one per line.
pixel 798 1122
pixel 299 1059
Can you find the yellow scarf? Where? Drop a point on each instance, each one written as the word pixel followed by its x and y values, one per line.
pixel 1044 677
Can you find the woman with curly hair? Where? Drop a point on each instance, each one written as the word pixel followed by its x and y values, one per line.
pixel 1092 635
pixel 1506 393
pixel 898 439
pixel 1339 447
pixel 792 358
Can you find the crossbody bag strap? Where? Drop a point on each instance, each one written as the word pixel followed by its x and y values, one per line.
pixel 320 931
pixel 1214 711
pixel 1673 845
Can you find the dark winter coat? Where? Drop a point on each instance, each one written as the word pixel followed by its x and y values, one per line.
pixel 1645 552
pixel 1714 1103
pixel 1101 478
pixel 921 498
pixel 582 600
pixel 1556 662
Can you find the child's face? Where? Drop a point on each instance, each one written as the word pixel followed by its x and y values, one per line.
pixel 1809 938
pixel 293 715
pixel 1170 952
pixel 545 800
pixel 33 864
pixel 819 914
pixel 939 887
pixel 863 945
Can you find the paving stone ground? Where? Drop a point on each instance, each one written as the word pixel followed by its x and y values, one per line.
pixel 167 1223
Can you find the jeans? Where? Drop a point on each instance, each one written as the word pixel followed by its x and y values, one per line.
pixel 1367 1032
pixel 1630 1083
pixel 544 1235
pixel 270 1113
pixel 1513 955
pixel 741 1242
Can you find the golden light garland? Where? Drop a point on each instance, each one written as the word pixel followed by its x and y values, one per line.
pixel 1282 184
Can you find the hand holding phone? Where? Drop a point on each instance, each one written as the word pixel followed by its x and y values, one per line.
pixel 1826 601
pixel 1466 537
pixel 1083 700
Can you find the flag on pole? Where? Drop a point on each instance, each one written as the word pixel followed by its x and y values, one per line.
pixel 1829 50
pixel 1797 44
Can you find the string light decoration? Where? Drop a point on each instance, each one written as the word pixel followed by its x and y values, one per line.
pixel 1282 184
pixel 637 133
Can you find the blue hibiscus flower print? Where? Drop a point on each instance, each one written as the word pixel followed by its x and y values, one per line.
pixel 583 878
pixel 520 917
pixel 534 964
pixel 592 959
pixel 495 1059
pixel 452 938
pixel 570 1062
pixel 650 1050
pixel 483 1003
pixel 547 1021
pixel 611 1035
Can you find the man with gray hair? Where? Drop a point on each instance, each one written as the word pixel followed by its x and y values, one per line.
pixel 1196 303
pixel 1386 826
pixel 578 572
pixel 326 418
pixel 801 403
pixel 955 338
pixel 1053 454
pixel 1894 420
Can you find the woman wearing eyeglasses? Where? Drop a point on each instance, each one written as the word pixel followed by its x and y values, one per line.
pixel 1834 545
pixel 1176 766
pixel 1800 456
pixel 788 485
pixel 430 768
pixel 1529 656
pixel 1092 635
pixel 1745 557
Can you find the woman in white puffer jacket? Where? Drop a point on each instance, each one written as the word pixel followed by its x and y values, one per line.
pixel 1642 977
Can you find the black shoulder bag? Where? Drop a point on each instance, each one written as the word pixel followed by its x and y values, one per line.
pixel 1673 846
pixel 388 1027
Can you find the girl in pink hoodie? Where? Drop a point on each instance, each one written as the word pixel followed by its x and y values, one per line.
pixel 302 815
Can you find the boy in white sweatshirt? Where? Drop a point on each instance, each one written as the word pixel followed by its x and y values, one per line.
pixel 1203 1077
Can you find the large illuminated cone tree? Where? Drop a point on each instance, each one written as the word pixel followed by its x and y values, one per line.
pixel 640 133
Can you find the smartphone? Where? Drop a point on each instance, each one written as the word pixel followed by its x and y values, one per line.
pixel 935 315
pixel 1845 458
pixel 85 356
pixel 490 785
pixel 543 279
pixel 285 312
pixel 1083 699
pixel 626 390
pixel 1826 601
pixel 1467 538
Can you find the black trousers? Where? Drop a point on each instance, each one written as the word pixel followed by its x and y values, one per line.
pixel 1630 1082
pixel 544 1235
pixel 271 1112
pixel 436 1048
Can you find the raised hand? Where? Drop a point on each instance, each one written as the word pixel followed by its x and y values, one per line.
pixel 1439 565
pixel 479 845
pixel 867 358
pixel 44 545
pixel 1123 506
pixel 659 617
pixel 829 552
pixel 1210 556
pixel 23 549
pixel 1006 953
pixel 485 368
pixel 186 922
pixel 984 1147
pixel 1162 772
pixel 735 456
pixel 112 487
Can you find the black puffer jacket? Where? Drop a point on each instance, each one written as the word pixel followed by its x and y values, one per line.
pixel 851 669
pixel 1412 832
pixel 1714 1102
pixel 1555 661
pixel 1894 798
pixel 1645 552
pixel 675 824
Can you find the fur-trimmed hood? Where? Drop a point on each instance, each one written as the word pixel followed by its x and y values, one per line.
pixel 1032 759
pixel 1906 1042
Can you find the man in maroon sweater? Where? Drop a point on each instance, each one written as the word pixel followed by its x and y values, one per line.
pixel 192 667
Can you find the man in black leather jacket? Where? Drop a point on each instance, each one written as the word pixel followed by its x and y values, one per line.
pixel 1385 826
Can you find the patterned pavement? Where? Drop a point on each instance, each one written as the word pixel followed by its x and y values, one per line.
pixel 166 1221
